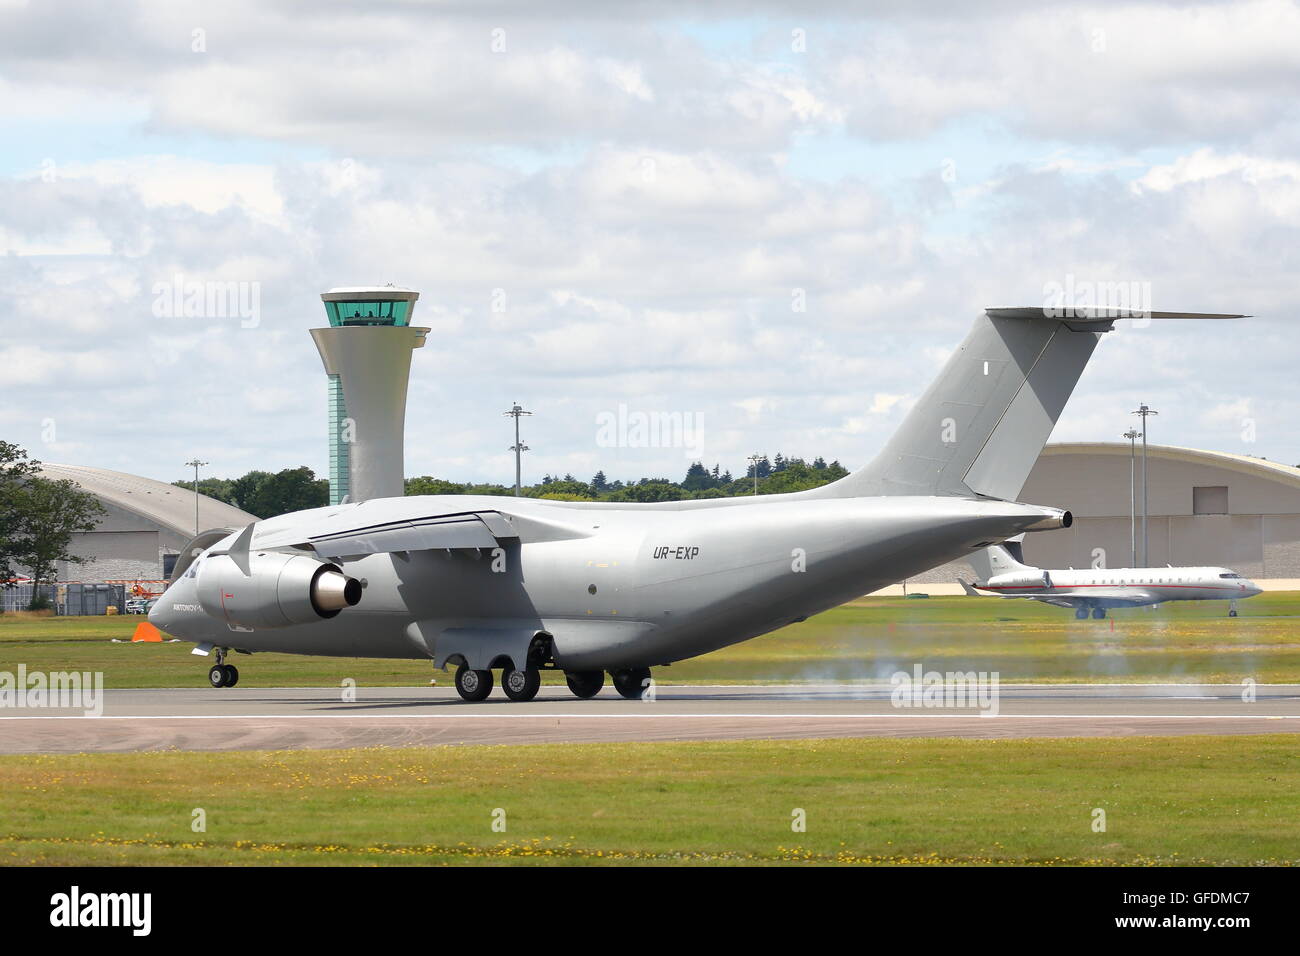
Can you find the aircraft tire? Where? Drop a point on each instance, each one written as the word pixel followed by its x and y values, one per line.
pixel 631 683
pixel 1081 613
pixel 217 675
pixel 1099 612
pixel 520 685
pixel 473 685
pixel 1232 613
pixel 232 675
pixel 585 684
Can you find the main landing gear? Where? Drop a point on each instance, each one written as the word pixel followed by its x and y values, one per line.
pixel 523 685
pixel 585 684
pixel 632 683
pixel 473 685
pixel 223 674
pixel 1081 613
pixel 1099 612
pixel 519 685
pixel 1232 609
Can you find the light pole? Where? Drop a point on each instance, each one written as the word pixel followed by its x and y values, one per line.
pixel 1144 412
pixel 196 464
pixel 1131 435
pixel 516 410
pixel 754 460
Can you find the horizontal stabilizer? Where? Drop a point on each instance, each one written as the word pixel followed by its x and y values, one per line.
pixel 1069 313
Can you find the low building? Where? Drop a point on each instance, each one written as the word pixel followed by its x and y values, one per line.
pixel 1204 508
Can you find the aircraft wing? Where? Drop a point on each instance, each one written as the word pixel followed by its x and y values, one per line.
pixel 479 529
pixel 1126 598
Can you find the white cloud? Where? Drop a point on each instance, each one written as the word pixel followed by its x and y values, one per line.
pixel 627 191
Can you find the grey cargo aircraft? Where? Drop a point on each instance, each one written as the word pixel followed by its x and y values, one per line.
pixel 521 585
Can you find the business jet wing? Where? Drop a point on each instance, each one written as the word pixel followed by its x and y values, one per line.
pixel 1093 598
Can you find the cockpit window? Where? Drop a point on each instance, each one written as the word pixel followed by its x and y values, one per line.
pixel 1230 575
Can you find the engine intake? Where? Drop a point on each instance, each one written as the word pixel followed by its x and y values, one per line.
pixel 279 590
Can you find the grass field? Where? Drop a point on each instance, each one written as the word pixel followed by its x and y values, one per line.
pixel 868 639
pixel 1178 800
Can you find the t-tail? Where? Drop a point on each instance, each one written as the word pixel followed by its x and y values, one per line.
pixel 999 559
pixel 981 425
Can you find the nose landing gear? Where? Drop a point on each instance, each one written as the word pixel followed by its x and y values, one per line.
pixel 223 674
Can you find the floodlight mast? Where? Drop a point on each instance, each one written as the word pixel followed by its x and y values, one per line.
pixel 196 464
pixel 516 411
pixel 1143 411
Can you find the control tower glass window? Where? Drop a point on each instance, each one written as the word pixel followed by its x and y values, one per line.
pixel 369 312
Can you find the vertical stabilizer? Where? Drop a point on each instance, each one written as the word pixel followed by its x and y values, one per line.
pixel 981 425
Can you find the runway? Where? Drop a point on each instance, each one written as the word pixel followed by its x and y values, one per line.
pixel 313 718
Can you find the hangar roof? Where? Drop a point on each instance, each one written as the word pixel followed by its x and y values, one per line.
pixel 1259 467
pixel 164 504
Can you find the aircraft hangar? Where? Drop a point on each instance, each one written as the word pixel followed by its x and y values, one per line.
pixel 1204 508
pixel 146 523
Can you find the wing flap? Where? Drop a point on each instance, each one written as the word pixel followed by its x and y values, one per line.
pixel 474 530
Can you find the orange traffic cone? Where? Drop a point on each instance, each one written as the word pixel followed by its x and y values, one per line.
pixel 146 632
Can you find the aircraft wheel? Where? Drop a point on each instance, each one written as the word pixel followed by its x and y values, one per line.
pixel 1099 612
pixel 473 685
pixel 1232 613
pixel 217 675
pixel 631 683
pixel 521 685
pixel 232 675
pixel 1081 613
pixel 585 684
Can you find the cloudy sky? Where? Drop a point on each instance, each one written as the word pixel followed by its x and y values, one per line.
pixel 777 219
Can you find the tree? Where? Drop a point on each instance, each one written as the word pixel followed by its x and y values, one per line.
pixel 15 469
pixel 243 490
pixel 219 488
pixel 599 484
pixel 697 478
pixel 570 488
pixel 49 513
pixel 293 489
pixel 425 485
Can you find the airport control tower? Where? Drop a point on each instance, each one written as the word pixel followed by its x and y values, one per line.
pixel 367 355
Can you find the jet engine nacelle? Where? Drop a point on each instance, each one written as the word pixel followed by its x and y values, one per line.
pixel 1022 579
pixel 278 590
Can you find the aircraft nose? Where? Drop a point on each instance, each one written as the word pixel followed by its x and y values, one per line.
pixel 158 617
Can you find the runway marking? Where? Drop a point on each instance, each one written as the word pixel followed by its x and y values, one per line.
pixel 721 716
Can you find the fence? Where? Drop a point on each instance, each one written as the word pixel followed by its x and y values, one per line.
pixel 74 599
